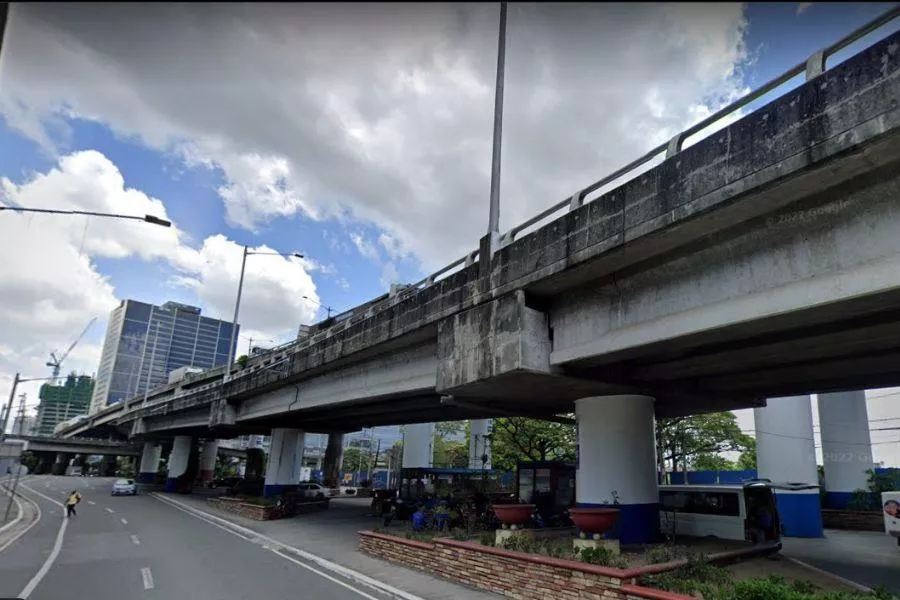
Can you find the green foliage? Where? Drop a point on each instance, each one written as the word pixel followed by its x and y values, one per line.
pixel 486 539
pixel 862 500
pixel 29 461
pixel 698 574
pixel 527 544
pixel 712 462
pixel 713 583
pixel 603 556
pixel 682 440
pixel 242 360
pixel 517 439
pixel 357 459
pixel 420 536
pixel 883 482
pixel 450 453
pixel 660 554
pixel 460 534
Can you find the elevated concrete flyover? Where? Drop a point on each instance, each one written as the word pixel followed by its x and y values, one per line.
pixel 77 446
pixel 761 261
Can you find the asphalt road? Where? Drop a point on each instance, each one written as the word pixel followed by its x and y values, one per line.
pixel 141 547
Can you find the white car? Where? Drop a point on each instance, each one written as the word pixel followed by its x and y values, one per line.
pixel 124 487
pixel 313 490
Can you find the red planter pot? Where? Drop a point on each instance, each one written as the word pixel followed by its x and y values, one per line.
pixel 594 520
pixel 514 514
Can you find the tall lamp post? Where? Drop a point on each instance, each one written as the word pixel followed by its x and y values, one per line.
pixel 494 213
pixel 146 218
pixel 237 302
pixel 12 396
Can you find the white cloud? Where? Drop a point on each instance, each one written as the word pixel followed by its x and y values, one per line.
pixel 377 113
pixel 802 7
pixel 50 286
pixel 364 246
pixel 389 275
pixel 272 302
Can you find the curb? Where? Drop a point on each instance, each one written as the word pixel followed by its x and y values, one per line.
pixel 37 517
pixel 856 586
pixel 345 572
pixel 20 512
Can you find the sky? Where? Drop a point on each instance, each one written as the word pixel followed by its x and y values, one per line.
pixel 356 134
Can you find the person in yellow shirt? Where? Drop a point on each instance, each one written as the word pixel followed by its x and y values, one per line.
pixel 73 499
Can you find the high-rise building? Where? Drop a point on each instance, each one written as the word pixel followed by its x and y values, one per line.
pixel 23 425
pixel 62 402
pixel 144 343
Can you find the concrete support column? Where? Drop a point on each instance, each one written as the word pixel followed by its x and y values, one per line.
pixel 616 463
pixel 178 461
pixel 331 466
pixel 285 458
pixel 846 445
pixel 208 460
pixel 59 466
pixel 418 443
pixel 786 453
pixel 149 462
pixel 480 443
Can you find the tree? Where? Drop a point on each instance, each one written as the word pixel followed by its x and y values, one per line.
pixel 448 452
pixel 712 462
pixel 747 459
pixel 517 439
pixel 682 440
pixel 357 459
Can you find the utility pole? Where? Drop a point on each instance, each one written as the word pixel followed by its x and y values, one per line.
pixel 12 492
pixel 12 396
pixel 494 212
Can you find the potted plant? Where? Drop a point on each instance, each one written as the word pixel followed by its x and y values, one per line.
pixel 513 516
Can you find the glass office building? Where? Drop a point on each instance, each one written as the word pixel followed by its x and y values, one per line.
pixel 144 343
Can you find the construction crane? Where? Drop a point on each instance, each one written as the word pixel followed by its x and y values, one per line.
pixel 56 363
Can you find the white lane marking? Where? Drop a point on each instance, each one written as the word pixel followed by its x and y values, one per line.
pixel 26 530
pixel 256 537
pixel 108 509
pixel 136 541
pixel 91 502
pixel 148 578
pixel 124 522
pixel 325 575
pixel 57 546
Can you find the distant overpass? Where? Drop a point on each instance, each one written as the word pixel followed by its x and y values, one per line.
pixel 761 261
pixel 85 446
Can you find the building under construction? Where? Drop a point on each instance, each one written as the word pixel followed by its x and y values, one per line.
pixel 62 402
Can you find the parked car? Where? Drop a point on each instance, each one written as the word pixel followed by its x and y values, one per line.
pixel 313 490
pixel 124 487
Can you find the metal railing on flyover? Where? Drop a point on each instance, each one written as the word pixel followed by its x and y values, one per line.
pixel 814 66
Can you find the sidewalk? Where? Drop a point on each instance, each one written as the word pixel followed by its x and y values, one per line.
pixel 331 534
pixel 869 558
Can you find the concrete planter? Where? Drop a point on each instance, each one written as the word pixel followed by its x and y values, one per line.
pixel 594 521
pixel 514 515
pixel 249 510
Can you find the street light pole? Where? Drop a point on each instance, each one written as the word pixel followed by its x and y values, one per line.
pixel 237 302
pixel 234 322
pixel 53 211
pixel 12 396
pixel 494 214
